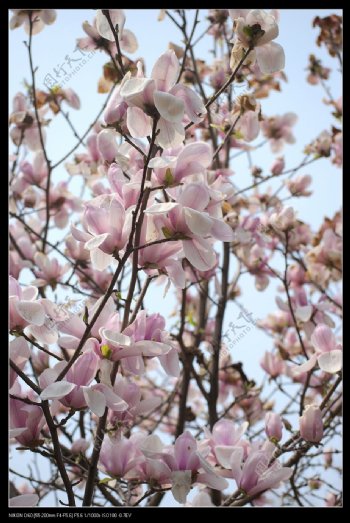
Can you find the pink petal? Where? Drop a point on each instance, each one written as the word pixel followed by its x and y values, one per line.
pixel 193 103
pixel 323 338
pixel 100 260
pixel 200 253
pixel 107 145
pixel 272 480
pixel 195 196
pixel 138 123
pixel 32 312
pixel 165 71
pixel 222 231
pixel 193 158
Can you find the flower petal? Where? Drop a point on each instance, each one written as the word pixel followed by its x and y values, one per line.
pixel 95 400
pixel 57 390
pixel 170 107
pixel 31 311
pixel 270 58
pixel 331 361
pixel 138 123
pixel 166 70
pixel 200 253
pixel 198 222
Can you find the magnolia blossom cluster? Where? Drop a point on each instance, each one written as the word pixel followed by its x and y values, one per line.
pixel 127 399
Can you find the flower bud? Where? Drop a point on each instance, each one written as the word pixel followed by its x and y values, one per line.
pixel 311 425
pixel 273 426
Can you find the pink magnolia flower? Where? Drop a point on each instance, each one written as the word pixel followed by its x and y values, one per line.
pixel 225 437
pixel 272 364
pixel 127 39
pixel 192 159
pixel 186 464
pixel 298 186
pixel 160 98
pixel 278 166
pixel 130 347
pixel 19 354
pixel 74 390
pixel 26 420
pixel 39 17
pixel 328 354
pixel 283 219
pixel 24 310
pixel 311 424
pixel 188 221
pixel 160 258
pixel 273 426
pixel 119 456
pixel 255 475
pixel 278 129
pixel 107 227
pixel 256 29
pixel 50 271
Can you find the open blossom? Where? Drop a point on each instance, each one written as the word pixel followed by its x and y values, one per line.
pixel 328 354
pixel 278 129
pixel 185 463
pixel 127 39
pixel 272 364
pixel 187 220
pixel 107 228
pixel 255 474
pixel 26 420
pixel 160 97
pixel 256 29
pixel 39 17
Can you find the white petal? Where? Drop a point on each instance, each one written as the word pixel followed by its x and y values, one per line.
pixel 170 108
pixel 305 367
pixel 102 25
pixel 152 348
pixel 96 241
pixel 200 253
pixel 181 484
pixel 270 58
pixel 170 134
pixel 303 313
pixel 57 390
pixel 32 312
pixel 223 455
pixel 45 334
pixel 198 222
pixel 116 338
pixel 160 162
pixel 100 260
pixel 95 400
pixel 161 208
pixel 331 361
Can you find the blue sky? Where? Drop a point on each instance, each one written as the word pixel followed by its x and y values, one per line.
pixel 51 48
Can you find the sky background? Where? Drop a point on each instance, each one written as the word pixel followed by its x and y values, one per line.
pixel 56 44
